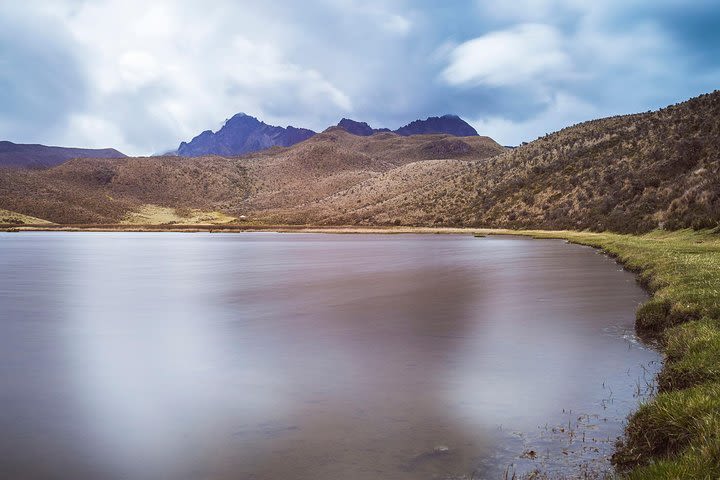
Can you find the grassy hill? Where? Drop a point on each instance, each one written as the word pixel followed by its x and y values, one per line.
pixel 630 173
pixel 262 184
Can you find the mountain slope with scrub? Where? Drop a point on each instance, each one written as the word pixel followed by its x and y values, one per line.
pixel 260 185
pixel 631 173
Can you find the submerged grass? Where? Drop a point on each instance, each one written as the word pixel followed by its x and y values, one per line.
pixel 676 435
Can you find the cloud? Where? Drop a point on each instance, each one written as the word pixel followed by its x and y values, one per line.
pixel 534 10
pixel 562 110
pixel 188 79
pixel 610 59
pixel 142 76
pixel 509 57
pixel 41 78
pixel 152 75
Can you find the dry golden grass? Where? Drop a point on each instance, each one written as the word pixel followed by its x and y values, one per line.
pixel 157 215
pixel 13 218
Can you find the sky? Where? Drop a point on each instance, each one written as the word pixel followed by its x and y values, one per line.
pixel 143 75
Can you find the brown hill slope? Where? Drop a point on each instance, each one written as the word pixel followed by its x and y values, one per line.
pixel 105 190
pixel 260 184
pixel 335 160
pixel 626 173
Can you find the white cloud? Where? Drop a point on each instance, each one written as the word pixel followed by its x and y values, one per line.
pixel 94 132
pixel 162 72
pixel 514 56
pixel 142 76
pixel 188 79
pixel 575 74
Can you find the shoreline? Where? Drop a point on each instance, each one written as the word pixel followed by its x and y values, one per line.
pixel 677 432
pixel 236 228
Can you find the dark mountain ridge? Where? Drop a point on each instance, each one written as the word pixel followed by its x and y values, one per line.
pixel 361 129
pixel 42 156
pixel 450 124
pixel 242 134
pixel 447 124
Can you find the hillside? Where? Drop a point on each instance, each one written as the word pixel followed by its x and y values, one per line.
pixel 42 156
pixel 261 185
pixel 627 173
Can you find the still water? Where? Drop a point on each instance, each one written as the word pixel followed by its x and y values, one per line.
pixel 320 357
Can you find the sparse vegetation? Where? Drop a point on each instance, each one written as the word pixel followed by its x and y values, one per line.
pixel 632 173
pixel 279 185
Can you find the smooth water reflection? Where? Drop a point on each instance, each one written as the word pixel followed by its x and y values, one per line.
pixel 272 356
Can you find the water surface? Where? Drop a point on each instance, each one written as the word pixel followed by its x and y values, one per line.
pixel 303 356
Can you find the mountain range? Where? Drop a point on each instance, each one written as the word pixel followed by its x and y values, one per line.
pixel 629 173
pixel 239 135
pixel 42 156
pixel 243 134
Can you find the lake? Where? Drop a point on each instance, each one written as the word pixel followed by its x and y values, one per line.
pixel 312 356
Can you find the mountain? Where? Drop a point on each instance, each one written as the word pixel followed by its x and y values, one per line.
pixel 240 135
pixel 244 134
pixel 361 129
pixel 450 124
pixel 447 124
pixel 630 173
pixel 356 128
pixel 42 156
pixel 272 184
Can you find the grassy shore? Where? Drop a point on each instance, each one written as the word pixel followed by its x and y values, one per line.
pixel 676 435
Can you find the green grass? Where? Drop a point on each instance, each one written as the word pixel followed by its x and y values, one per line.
pixel 676 435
